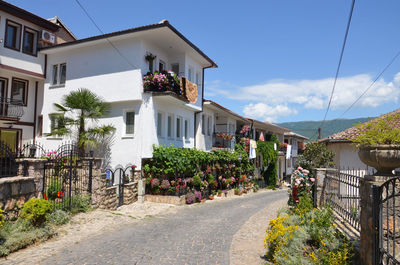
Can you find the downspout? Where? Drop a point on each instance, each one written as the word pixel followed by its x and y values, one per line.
pixel 34 112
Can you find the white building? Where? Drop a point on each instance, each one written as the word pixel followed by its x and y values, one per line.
pixel 22 70
pixel 113 66
pixel 296 142
pixel 217 127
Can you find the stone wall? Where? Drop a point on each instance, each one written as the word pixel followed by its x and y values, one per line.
pixel 14 192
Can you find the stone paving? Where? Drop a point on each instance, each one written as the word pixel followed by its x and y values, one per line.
pixel 198 234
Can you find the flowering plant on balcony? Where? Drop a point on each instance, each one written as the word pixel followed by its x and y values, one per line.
pixel 225 136
pixel 245 129
pixel 162 81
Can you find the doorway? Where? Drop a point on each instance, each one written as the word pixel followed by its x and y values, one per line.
pixel 11 138
pixel 3 95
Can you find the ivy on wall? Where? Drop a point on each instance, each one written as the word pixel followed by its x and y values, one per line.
pixel 269 159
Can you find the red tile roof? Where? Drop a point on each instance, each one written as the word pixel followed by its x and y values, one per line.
pixel 345 135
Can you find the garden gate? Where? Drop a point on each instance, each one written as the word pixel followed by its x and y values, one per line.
pixel 386 221
pixel 8 165
pixel 119 177
pixel 67 177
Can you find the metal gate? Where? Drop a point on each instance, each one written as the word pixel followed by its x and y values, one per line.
pixel 386 219
pixel 8 165
pixel 119 177
pixel 67 177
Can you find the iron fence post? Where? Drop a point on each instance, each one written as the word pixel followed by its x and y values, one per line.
pixel 90 175
pixel 376 222
pixel 70 180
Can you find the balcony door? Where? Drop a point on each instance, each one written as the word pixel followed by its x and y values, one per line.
pixel 3 90
pixel 11 138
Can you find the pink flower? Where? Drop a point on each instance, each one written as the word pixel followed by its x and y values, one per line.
pixel 312 179
pixel 299 168
pixel 305 171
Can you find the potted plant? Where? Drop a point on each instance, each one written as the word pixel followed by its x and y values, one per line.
pixel 378 143
pixel 150 57
pixel 219 193
pixel 237 191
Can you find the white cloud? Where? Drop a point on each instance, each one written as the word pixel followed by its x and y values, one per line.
pixel 283 96
pixel 265 112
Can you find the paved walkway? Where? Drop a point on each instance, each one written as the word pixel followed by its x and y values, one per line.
pixel 199 234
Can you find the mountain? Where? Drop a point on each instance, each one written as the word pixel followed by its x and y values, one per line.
pixel 310 128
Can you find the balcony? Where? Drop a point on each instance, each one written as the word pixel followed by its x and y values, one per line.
pixel 224 141
pixel 169 83
pixel 11 109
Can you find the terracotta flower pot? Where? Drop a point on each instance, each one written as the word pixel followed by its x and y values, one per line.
pixel 384 158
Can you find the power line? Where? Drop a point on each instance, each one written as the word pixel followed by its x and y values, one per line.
pixel 376 79
pixel 339 64
pixel 99 29
pixel 340 60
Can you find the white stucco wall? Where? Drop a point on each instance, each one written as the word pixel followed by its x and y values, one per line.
pixel 204 141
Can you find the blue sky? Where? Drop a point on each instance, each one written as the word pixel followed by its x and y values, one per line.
pixel 277 59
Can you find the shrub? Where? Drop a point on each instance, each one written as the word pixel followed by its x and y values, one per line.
pixel 80 204
pixel 165 184
pixel 35 211
pixel 196 181
pixel 19 235
pixel 212 182
pixel 197 195
pixel 190 198
pixel 53 189
pixel 155 183
pixel 58 217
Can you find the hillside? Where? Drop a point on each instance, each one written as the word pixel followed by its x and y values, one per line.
pixel 309 128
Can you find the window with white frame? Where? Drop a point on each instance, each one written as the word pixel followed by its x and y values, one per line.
pixel 129 123
pixel 169 126
pixel 59 74
pixel 186 129
pixel 159 124
pixel 190 74
pixel 178 127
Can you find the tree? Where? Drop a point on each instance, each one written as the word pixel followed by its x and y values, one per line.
pixel 316 155
pixel 82 106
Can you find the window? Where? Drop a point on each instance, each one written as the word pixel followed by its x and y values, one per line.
pixel 203 124
pixel 29 44
pixel 159 124
pixel 13 35
pixel 169 126
pixel 209 125
pixel 59 74
pixel 190 74
pixel 56 122
pixel 175 68
pixel 186 129
pixel 129 122
pixel 178 127
pixel 161 66
pixel 198 78
pixel 19 91
pixel 40 126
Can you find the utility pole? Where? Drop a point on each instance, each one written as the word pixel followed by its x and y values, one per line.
pixel 319 133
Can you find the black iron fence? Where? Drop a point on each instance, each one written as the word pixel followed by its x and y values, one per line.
pixel 342 192
pixel 386 219
pixel 8 163
pixel 67 179
pixel 119 177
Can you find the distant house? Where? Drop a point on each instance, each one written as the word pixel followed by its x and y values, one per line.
pixel 296 141
pixel 346 154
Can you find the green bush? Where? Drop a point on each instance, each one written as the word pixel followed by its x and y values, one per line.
pixel 270 159
pixel 1 218
pixel 80 204
pixel 35 211
pixel 196 182
pixel 212 182
pixel 58 217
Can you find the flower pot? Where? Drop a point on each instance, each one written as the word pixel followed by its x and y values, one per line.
pixel 211 197
pixel 384 158
pixel 220 195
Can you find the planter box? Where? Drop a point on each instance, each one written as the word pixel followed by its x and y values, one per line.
pixel 166 199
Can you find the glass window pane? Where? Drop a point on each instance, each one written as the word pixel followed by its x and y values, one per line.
pixel 203 124
pixel 159 124
pixel 178 128
pixel 186 129
pixel 11 37
pixel 55 74
pixel 63 73
pixel 169 126
pixel 130 122
pixel 18 91
pixel 29 38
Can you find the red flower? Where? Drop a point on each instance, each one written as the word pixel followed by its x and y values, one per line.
pixel 60 194
pixel 44 196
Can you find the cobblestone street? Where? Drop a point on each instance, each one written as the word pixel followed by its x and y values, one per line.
pixel 198 234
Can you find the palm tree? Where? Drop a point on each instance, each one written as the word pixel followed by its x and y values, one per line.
pixel 83 106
